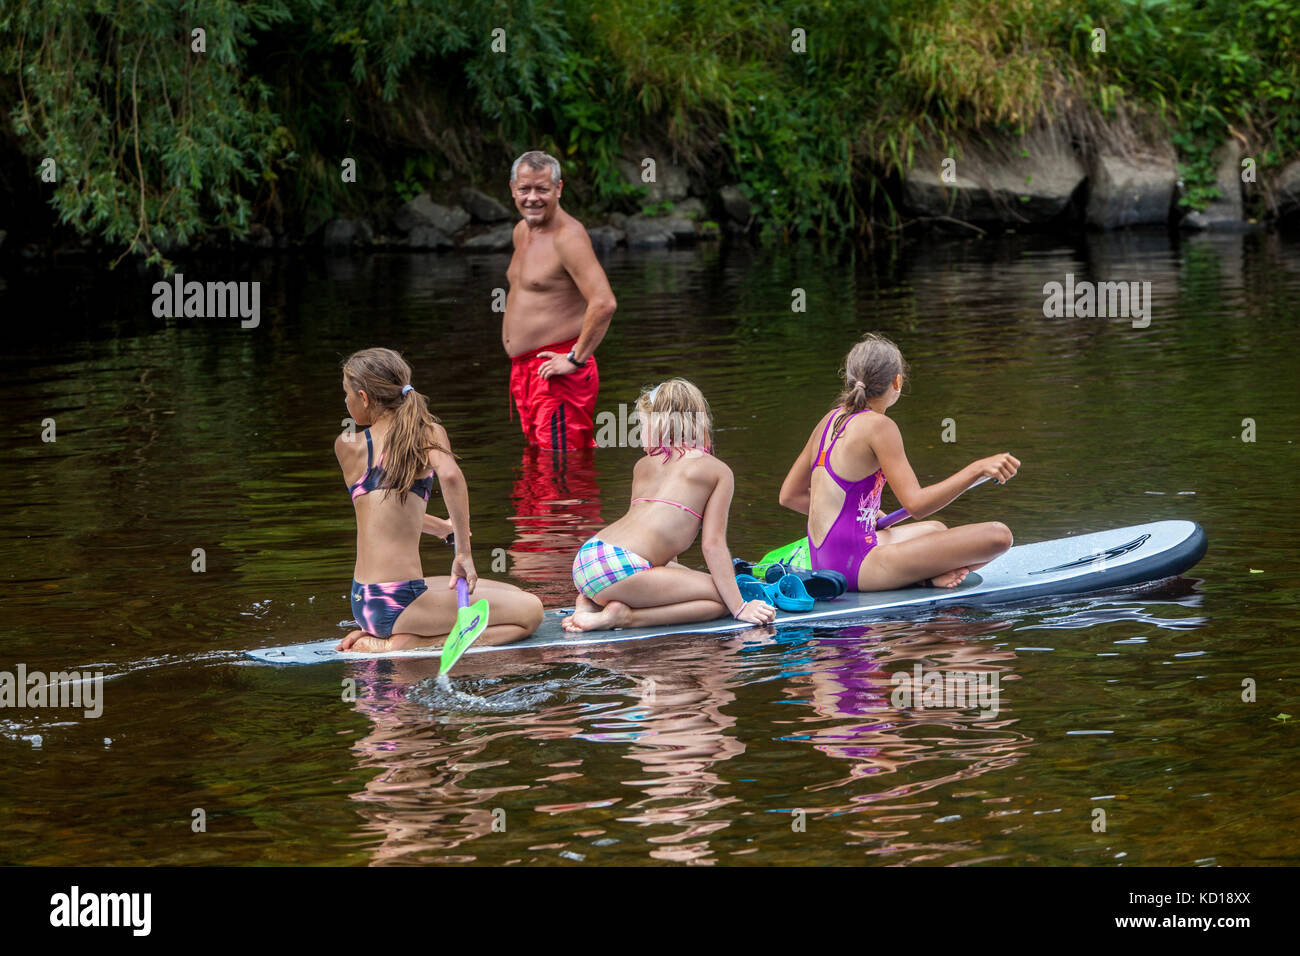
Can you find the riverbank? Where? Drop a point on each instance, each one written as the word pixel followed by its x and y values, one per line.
pixel 271 125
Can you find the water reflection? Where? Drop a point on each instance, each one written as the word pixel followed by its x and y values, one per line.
pixel 419 801
pixel 676 730
pixel 556 497
pixel 671 717
pixel 533 742
pixel 662 710
pixel 160 451
pixel 892 753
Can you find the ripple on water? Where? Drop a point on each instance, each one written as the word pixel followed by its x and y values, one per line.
pixel 691 751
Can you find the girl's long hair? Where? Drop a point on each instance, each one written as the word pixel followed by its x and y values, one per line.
pixel 869 368
pixel 675 417
pixel 381 374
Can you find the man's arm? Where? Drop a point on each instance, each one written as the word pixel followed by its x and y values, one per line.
pixel 579 260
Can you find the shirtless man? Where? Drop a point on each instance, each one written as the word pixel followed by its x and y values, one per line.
pixel 557 311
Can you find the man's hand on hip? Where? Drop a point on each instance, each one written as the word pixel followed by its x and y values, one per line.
pixel 556 364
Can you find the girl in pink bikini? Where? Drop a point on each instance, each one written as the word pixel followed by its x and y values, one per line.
pixel 838 477
pixel 628 576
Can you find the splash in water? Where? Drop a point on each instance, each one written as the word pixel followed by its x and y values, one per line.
pixel 444 687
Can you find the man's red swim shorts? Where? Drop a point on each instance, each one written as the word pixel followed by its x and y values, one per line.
pixel 558 412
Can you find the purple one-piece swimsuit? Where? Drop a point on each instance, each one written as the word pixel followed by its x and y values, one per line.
pixel 853 533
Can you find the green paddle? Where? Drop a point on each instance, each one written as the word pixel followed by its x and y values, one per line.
pixel 471 621
pixel 794 554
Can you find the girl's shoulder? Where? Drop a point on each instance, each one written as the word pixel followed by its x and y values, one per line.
pixel 704 466
pixel 349 442
pixel 350 453
pixel 868 423
pixel 856 429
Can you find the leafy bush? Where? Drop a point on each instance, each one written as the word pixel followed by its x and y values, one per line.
pixel 156 144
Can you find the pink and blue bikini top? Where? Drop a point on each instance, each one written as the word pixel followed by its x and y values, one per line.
pixel 374 477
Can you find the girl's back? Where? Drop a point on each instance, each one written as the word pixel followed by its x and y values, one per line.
pixel 846 455
pixel 387 523
pixel 627 575
pixel 669 498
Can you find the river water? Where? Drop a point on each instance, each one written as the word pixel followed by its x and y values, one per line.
pixel 761 748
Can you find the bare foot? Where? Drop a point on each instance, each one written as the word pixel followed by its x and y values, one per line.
pixel 368 644
pixel 407 642
pixel 950 579
pixel 613 614
pixel 585 603
pixel 363 642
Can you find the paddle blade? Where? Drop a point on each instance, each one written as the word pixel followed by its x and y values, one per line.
pixel 470 623
pixel 794 554
pixel 785 552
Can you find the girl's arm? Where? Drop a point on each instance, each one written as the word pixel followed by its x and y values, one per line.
pixel 345 452
pixel 717 556
pixel 455 493
pixel 438 527
pixel 887 443
pixel 796 488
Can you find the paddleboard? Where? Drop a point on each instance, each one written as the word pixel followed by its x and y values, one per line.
pixel 1087 562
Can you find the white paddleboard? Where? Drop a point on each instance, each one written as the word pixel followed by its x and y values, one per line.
pixel 1087 562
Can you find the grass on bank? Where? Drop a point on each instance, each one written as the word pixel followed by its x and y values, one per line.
pixel 155 143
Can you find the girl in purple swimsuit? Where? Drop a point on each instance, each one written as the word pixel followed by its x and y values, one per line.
pixel 389 478
pixel 628 576
pixel 849 457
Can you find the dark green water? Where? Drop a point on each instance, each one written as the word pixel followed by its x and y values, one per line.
pixel 174 435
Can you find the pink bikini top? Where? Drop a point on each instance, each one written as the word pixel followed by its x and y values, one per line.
pixel 707 451
pixel 673 503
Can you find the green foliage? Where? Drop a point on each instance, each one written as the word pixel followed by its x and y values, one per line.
pixel 156 144
pixel 1212 69
pixel 418 174
pixel 588 121
pixel 1197 167
pixel 153 143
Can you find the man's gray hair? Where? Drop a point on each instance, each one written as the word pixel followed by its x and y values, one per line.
pixel 536 159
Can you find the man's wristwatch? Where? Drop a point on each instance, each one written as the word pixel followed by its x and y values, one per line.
pixel 575 361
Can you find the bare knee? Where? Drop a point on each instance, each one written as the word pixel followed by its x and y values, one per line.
pixel 1000 536
pixel 530 612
